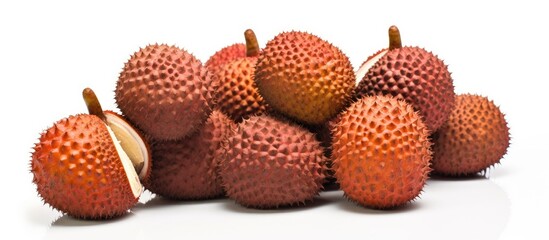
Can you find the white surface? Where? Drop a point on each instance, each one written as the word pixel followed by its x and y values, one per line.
pixel 50 51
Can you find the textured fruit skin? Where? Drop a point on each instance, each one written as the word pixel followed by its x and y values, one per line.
pixel 165 91
pixel 381 152
pixel 304 77
pixel 475 137
pixel 186 169
pixel 77 170
pixel 226 54
pixel 417 76
pixel 323 134
pixel 237 94
pixel 271 163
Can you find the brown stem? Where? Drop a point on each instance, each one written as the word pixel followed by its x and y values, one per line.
pixel 394 38
pixel 252 47
pixel 94 107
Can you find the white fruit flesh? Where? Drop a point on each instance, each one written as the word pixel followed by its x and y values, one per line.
pixel 368 64
pixel 131 174
pixel 131 142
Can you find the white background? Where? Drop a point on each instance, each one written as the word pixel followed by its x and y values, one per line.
pixel 51 50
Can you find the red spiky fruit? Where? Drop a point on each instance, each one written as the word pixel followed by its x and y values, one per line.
pixel 381 152
pixel 475 137
pixel 237 94
pixel 412 74
pixel 165 91
pixel 187 168
pixel 304 77
pixel 80 168
pixel 271 163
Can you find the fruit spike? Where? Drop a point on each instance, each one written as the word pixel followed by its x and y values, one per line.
pixel 252 47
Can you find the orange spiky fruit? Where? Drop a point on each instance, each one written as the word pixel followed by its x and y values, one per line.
pixel 381 152
pixel 91 166
pixel 474 137
pixel 304 77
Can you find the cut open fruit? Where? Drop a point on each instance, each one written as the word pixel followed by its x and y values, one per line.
pixel 394 42
pixel 131 142
pixel 410 73
pixel 365 67
pixel 91 166
pixel 133 150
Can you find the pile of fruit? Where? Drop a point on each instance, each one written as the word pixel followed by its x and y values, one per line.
pixel 268 128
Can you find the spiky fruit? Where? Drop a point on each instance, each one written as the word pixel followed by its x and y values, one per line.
pixel 237 94
pixel 412 74
pixel 304 77
pixel 381 152
pixel 475 137
pixel 187 168
pixel 271 163
pixel 165 91
pixel 81 169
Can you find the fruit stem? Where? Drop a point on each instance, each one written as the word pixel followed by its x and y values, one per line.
pixel 94 107
pixel 394 38
pixel 252 47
